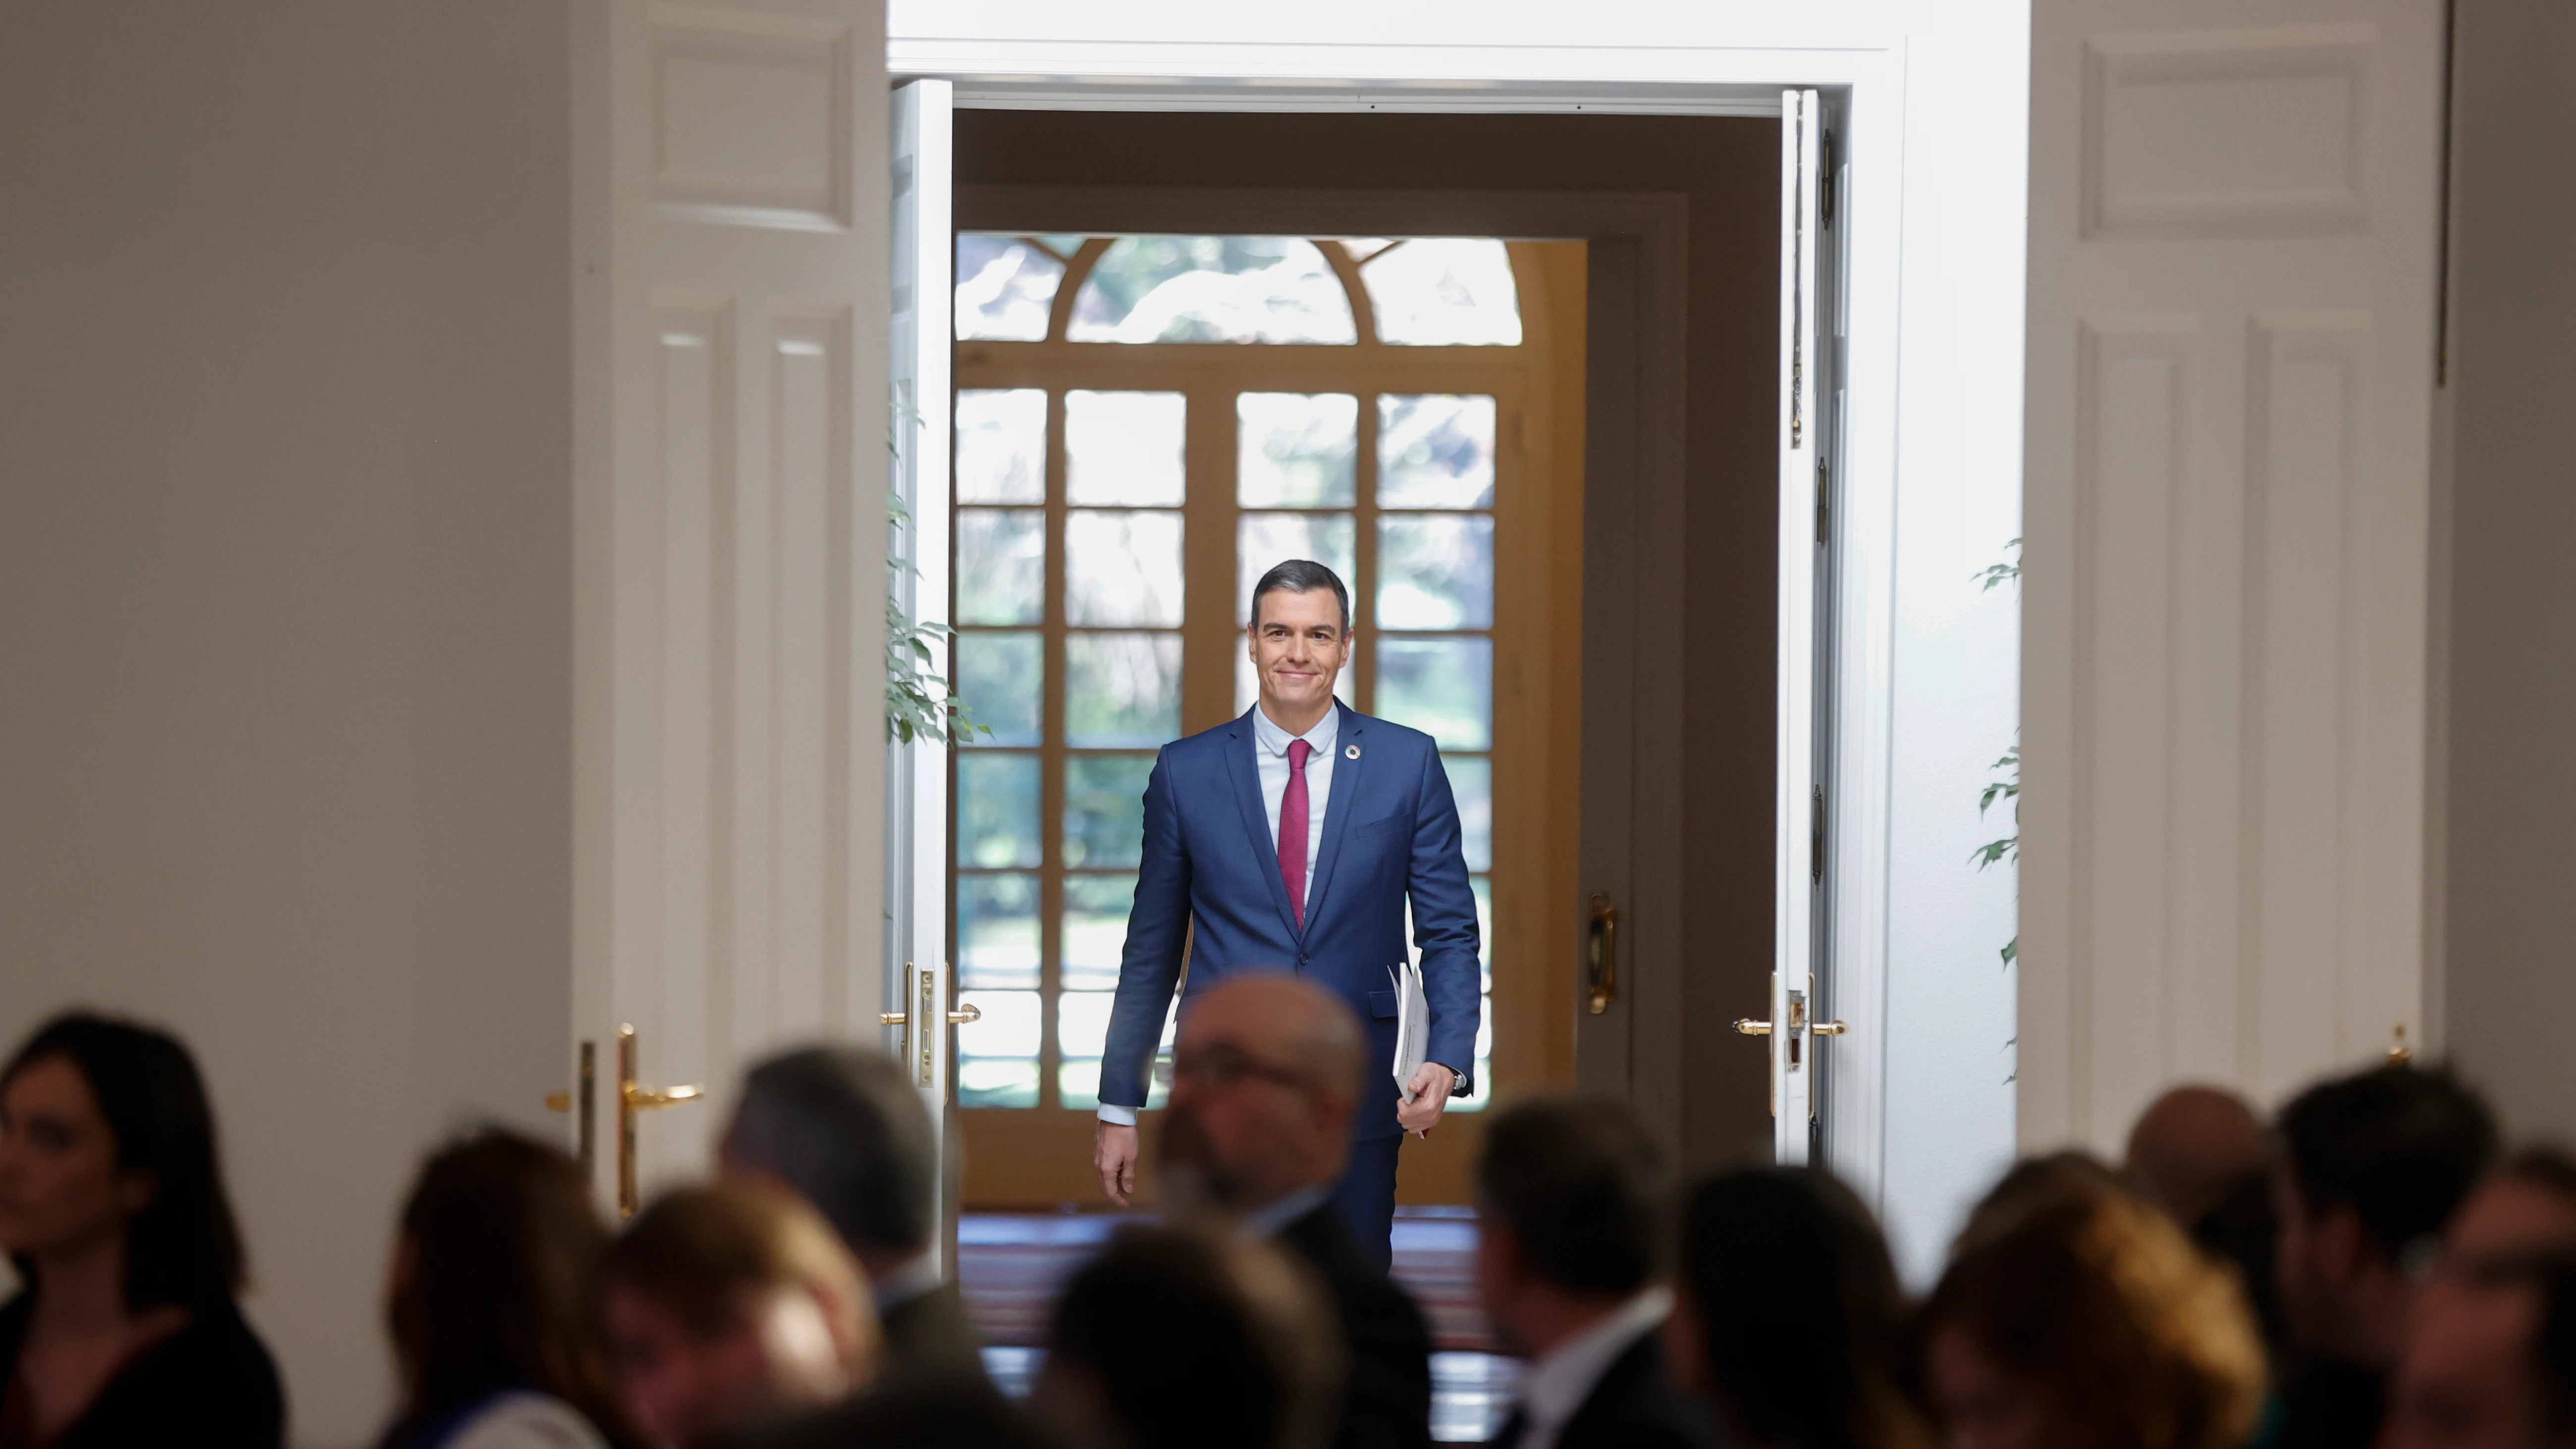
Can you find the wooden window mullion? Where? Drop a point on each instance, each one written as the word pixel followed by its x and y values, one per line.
pixel 1051 770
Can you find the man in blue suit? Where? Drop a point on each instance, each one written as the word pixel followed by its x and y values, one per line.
pixel 1289 840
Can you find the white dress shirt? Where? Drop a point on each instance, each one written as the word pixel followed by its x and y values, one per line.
pixel 1270 761
pixel 1559 1383
pixel 1270 754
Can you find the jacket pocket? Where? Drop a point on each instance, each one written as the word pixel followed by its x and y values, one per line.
pixel 1382 1004
pixel 1379 827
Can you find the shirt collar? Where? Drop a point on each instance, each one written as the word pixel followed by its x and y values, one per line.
pixel 1559 1382
pixel 1274 739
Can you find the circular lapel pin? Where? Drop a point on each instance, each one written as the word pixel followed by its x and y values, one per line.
pixel 1350 752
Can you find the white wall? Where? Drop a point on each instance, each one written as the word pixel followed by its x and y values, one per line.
pixel 285 601
pixel 1950 1089
pixel 2509 897
pixel 1933 1114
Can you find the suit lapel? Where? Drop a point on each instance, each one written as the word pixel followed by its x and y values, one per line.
pixel 1256 820
pixel 1339 805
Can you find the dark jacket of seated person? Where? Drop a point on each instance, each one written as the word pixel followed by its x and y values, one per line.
pixel 112 1204
pixel 1569 1194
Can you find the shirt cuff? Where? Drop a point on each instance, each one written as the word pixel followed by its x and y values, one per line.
pixel 1117 1116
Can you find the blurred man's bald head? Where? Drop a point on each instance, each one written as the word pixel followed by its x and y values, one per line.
pixel 1287 1021
pixel 2195 1145
pixel 1266 1076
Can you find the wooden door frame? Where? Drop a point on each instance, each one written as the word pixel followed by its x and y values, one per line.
pixel 1632 554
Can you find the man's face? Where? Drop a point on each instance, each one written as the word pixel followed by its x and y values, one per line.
pixel 2467 1380
pixel 1246 1124
pixel 775 1352
pixel 1298 649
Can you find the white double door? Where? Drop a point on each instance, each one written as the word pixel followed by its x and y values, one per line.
pixel 738 212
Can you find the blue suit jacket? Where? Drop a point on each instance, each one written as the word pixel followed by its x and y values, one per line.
pixel 1390 829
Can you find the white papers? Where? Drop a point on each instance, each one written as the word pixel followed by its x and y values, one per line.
pixel 1412 1026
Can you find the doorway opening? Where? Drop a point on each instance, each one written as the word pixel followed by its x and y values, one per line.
pixel 1144 425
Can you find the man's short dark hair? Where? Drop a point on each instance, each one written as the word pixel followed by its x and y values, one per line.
pixel 2399 1146
pixel 2545 1165
pixel 2554 1348
pixel 1301 576
pixel 1582 1186
pixel 842 1126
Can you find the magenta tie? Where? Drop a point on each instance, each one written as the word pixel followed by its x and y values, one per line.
pixel 1292 830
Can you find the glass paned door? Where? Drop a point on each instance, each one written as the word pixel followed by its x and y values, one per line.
pixel 1214 411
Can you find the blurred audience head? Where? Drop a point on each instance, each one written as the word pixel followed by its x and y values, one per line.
pixel 730 1304
pixel 2205 1156
pixel 107 1146
pixel 1816 1368
pixel 1174 1338
pixel 2035 1184
pixel 843 1127
pixel 2372 1167
pixel 2081 1318
pixel 2527 1205
pixel 2491 1361
pixel 1266 1074
pixel 2193 1147
pixel 1570 1198
pixel 492 1283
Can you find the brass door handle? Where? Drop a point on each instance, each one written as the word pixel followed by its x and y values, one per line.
pixel 631 1099
pixel 960 1017
pixel 1601 955
pixel 1751 1026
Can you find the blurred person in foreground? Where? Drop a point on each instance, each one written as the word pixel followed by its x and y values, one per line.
pixel 112 1210
pixel 2481 1367
pixel 733 1304
pixel 490 1305
pixel 1570 1209
pixel 1266 1073
pixel 2075 1315
pixel 2205 1156
pixel 843 1128
pixel 1179 1337
pixel 1816 1368
pixel 2527 1205
pixel 2372 1167
pixel 2491 1360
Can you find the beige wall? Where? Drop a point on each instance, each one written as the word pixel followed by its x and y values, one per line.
pixel 285 597
pixel 2508 939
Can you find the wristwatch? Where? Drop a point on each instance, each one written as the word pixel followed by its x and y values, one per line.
pixel 1464 1086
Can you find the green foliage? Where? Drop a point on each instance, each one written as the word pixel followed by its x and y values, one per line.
pixel 2006 572
pixel 917 705
pixel 2007 848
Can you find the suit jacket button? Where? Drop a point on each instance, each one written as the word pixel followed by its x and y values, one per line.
pixel 1301 960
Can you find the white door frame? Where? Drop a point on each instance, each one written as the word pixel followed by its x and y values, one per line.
pixel 1868 83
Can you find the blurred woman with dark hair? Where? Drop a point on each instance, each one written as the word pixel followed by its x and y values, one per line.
pixel 491 1304
pixel 112 1208
pixel 2075 1315
pixel 1817 1367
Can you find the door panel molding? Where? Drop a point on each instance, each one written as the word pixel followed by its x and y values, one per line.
pixel 2229 454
